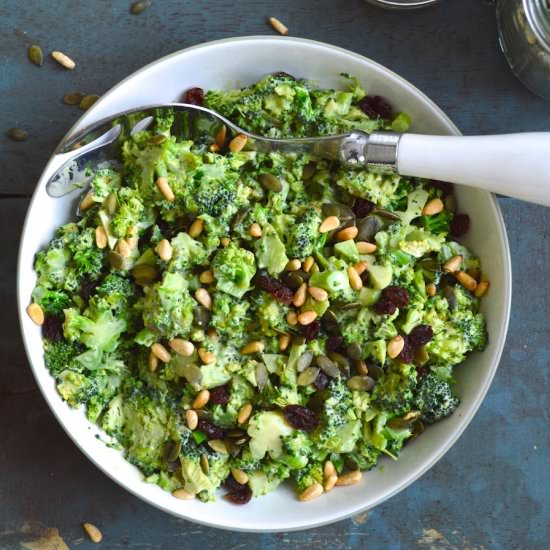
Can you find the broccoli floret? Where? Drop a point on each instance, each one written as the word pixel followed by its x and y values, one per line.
pixel 131 213
pixel 297 448
pixel 58 356
pixel 233 269
pixel 394 390
pixel 187 252
pixel 115 293
pixel 302 236
pixel 271 315
pixel 365 456
pixel 434 398
pixel 473 328
pixel 308 476
pixel 52 302
pixel 268 478
pixel 229 315
pixel 438 223
pixel 104 182
pixel 88 259
pixel 266 430
pixel 358 329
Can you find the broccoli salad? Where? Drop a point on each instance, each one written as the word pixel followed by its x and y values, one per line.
pixel 237 319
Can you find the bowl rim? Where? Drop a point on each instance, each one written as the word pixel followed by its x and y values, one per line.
pixel 466 417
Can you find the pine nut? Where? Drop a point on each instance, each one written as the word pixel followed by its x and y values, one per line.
pixel 319 294
pixel 191 419
pixel 182 494
pixel 293 265
pixel 435 206
pixel 299 298
pixel 164 250
pixel 152 362
pixel 123 248
pixel 330 482
pixel 206 277
pixel 395 346
pixel 182 347
pixel 313 491
pixel 203 297
pixel 237 144
pixel 255 230
pixel 361 368
pixel 161 352
pixel 363 247
pixel 308 264
pixel 35 312
pixel 329 469
pixel 214 148
pixel 482 289
pixel 354 279
pixel 347 234
pixel 224 241
pixel 431 289
pixel 307 317
pixel 87 201
pixel 351 478
pixel 196 228
pixel 466 280
pixel 93 532
pixel 165 189
pixel 292 318
pixel 207 357
pixel 278 26
pixel 244 413
pixel 220 136
pixel 218 445
pixel 252 347
pixel 239 476
pixel 284 341
pixel 64 60
pixel 201 399
pixel 100 237
pixel 144 274
pixel 329 224
pixel 452 265
pixel 360 267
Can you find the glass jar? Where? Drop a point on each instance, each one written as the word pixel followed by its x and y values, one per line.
pixel 402 4
pixel 524 35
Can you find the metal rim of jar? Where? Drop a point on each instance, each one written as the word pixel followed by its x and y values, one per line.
pixel 402 4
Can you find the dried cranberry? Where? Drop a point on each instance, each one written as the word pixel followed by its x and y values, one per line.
pixel 231 484
pixel 87 289
pixel 280 292
pixel 385 307
pixel 321 382
pixel 219 395
pixel 334 343
pixel 52 329
pixel 460 225
pixel 362 207
pixel 194 96
pixel 407 353
pixel 397 295
pixel 241 496
pixel 282 74
pixel 375 106
pixel 211 431
pixel 312 330
pixel 421 372
pixel 301 418
pixel 421 335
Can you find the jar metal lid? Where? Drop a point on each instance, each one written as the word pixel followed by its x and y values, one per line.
pixel 402 4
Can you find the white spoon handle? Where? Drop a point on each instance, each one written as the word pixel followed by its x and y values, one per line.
pixel 517 165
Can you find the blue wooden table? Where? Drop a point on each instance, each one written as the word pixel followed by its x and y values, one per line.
pixel 492 490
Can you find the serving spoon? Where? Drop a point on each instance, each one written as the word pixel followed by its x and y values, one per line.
pixel 516 165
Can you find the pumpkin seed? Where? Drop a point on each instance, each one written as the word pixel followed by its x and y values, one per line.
pixel 218 446
pixel 309 170
pixel 157 139
pixel 191 372
pixel 327 366
pixel 308 376
pixel 386 214
pixel 298 340
pixel 236 433
pixel 73 98
pixel 201 316
pixel 375 371
pixel 137 7
pixel 205 466
pixel 173 451
pixel 368 227
pixel 361 383
pixel 341 361
pixel 330 322
pixel 17 134
pixel 429 264
pixel 116 260
pixel 292 279
pixel 449 294
pixel 351 305
pixel 450 203
pixel 417 428
pixel 341 211
pixel 239 217
pixel 270 182
pixel 262 376
pixel 354 351
pixel 399 424
pixel 304 361
pixel 36 55
pixel 87 101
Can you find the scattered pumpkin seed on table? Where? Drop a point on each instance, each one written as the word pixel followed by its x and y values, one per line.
pixel 87 101
pixel 73 98
pixel 138 7
pixel 35 55
pixel 17 134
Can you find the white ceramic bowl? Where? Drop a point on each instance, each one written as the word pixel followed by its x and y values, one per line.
pixel 227 64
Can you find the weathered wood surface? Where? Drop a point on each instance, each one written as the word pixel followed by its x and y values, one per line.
pixel 491 490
